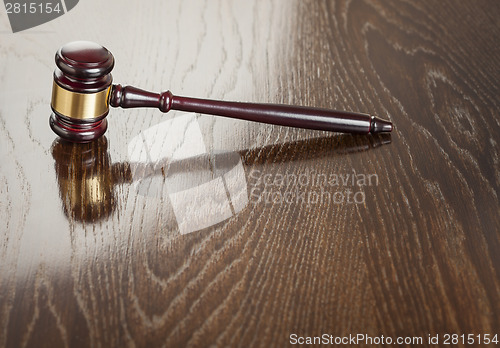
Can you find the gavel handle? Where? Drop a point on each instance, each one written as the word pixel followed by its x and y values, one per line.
pixel 283 115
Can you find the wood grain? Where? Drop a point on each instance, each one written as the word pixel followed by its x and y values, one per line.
pixel 419 255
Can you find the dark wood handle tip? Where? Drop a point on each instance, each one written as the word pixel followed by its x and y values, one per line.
pixel 378 125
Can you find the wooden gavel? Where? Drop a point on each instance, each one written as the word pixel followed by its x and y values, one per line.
pixel 83 91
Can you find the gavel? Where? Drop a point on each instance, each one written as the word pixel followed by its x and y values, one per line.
pixel 83 92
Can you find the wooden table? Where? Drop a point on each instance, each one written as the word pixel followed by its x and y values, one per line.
pixel 191 230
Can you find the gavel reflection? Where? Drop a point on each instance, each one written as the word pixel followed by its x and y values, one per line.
pixel 87 177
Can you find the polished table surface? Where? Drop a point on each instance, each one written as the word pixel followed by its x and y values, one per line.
pixel 183 229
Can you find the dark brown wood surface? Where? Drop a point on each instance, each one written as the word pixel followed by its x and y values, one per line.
pixel 127 241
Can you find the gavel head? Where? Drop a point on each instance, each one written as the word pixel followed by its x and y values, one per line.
pixel 81 91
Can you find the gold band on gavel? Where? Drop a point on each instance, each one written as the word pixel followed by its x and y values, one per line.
pixel 80 105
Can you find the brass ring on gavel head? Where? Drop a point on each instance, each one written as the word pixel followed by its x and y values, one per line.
pixel 80 106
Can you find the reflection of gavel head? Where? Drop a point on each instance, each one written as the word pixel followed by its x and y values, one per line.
pixel 81 91
pixel 87 178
